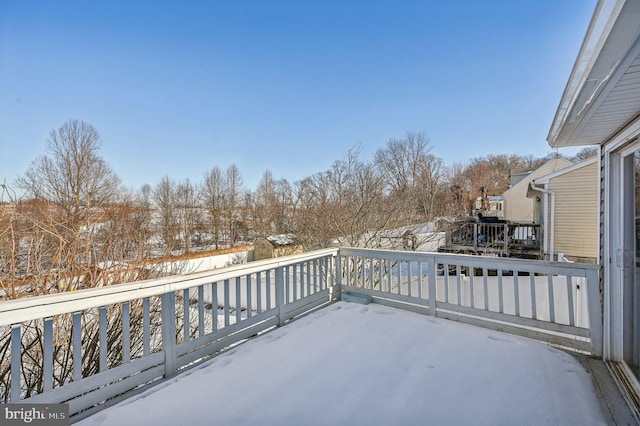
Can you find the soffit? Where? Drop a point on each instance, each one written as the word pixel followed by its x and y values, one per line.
pixel 603 93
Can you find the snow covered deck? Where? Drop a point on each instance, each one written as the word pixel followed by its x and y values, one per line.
pixel 90 347
pixel 370 364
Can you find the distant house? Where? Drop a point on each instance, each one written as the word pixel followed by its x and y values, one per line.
pixel 519 208
pixel 276 246
pixel 569 211
pixel 496 206
pixel 419 237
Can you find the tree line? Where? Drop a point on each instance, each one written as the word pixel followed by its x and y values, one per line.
pixel 70 222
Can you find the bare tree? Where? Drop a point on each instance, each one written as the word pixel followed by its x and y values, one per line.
pixel 234 189
pixel 265 199
pixel 69 195
pixel 412 175
pixel 164 198
pixel 72 176
pixel 588 152
pixel 188 214
pixel 273 205
pixel 345 205
pixel 214 200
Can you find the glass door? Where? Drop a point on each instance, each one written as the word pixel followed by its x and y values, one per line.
pixel 627 255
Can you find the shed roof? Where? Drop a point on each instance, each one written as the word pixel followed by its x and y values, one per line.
pixel 281 240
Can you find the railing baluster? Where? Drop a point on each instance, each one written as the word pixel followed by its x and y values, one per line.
pixel 214 306
pixel 458 278
pixel 570 294
pixel 227 316
pixel 315 276
pixel 201 310
pixel 308 269
pixel 445 273
pixel 409 278
pixel 77 346
pixel 294 283
pixel 420 280
pixel 516 292
pixel 47 361
pixel 389 275
pixel 16 361
pixel 532 280
pixel 103 324
pixel 269 289
pixel 380 274
pixel 185 315
pixel 238 301
pixel 552 307
pixel 126 332
pixel 287 280
pixel 259 292
pixel 485 288
pixel 500 292
pixel 472 291
pixel 303 292
pixel 146 326
pixel 249 301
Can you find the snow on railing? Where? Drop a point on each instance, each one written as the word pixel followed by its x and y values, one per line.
pixel 88 346
pixel 556 302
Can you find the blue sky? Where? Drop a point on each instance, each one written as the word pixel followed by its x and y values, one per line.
pixel 290 86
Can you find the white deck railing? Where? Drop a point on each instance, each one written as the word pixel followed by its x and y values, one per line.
pixel 555 302
pixel 88 346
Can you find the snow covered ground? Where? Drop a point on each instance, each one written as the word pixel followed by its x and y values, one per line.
pixel 352 364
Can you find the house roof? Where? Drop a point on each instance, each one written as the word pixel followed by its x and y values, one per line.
pixel 546 178
pixel 603 92
pixel 550 166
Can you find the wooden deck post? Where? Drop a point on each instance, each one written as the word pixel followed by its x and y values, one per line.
pixel 432 276
pixel 337 282
pixel 280 295
pixel 169 333
pixel 16 362
pixel 595 311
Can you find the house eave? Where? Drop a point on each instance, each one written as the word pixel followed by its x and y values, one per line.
pixel 608 50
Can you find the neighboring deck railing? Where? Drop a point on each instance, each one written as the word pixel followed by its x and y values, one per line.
pixel 89 346
pixel 503 239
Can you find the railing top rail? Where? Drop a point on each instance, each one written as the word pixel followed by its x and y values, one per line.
pixel 471 260
pixel 15 311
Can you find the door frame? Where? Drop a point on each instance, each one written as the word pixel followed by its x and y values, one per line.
pixel 613 153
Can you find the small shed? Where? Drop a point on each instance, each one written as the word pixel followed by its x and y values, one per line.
pixel 276 246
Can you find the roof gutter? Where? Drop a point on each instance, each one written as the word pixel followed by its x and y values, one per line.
pixel 548 230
